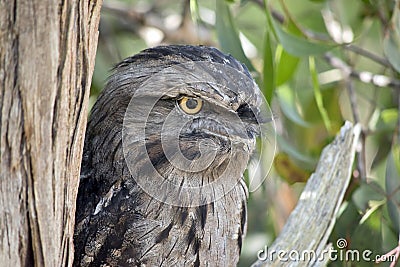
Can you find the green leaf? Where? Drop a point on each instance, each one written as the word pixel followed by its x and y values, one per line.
pixel 318 95
pixel 366 193
pixel 346 223
pixel 228 36
pixel 387 120
pixel 299 46
pixel 392 183
pixel 286 65
pixel 268 69
pixel 391 47
pixel 364 234
pixel 389 237
pixel 389 116
pixel 287 101
pixel 289 170
pixel 194 11
pixel 374 205
pixel 293 44
pixel 391 41
pixel 384 140
pixel 294 153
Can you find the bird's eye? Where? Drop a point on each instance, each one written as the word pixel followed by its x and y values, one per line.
pixel 190 105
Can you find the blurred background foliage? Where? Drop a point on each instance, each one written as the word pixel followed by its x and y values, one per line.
pixel 318 63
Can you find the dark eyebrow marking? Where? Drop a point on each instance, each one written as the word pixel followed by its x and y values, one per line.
pixel 246 113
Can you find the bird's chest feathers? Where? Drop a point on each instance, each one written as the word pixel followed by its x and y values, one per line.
pixel 207 235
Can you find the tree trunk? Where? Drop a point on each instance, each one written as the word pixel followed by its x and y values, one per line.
pixel 47 52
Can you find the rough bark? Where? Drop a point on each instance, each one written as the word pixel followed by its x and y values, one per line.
pixel 47 51
pixel 310 224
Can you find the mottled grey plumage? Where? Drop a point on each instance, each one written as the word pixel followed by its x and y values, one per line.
pixel 117 223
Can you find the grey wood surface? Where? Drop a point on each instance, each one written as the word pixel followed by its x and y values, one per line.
pixel 310 224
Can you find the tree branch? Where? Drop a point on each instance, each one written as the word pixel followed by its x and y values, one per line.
pixel 186 32
pixel 364 76
pixel 320 37
pixel 310 224
pixel 362 52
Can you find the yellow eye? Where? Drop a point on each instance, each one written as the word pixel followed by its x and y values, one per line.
pixel 190 105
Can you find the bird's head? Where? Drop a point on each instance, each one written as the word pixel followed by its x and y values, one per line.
pixel 191 123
